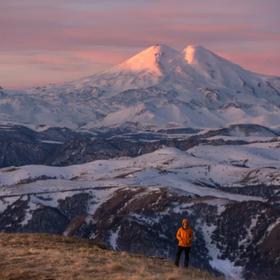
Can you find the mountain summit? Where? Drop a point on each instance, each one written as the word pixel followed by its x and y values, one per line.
pixel 157 59
pixel 151 60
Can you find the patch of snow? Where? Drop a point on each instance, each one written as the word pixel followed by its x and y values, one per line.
pixel 52 142
pixel 225 266
pixel 231 271
pixel 32 206
pixel 114 238
pixel 249 236
pixel 5 202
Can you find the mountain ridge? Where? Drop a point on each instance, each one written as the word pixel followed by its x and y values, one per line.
pixel 159 87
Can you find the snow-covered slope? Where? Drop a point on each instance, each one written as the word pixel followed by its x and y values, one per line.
pixel 201 171
pixel 159 87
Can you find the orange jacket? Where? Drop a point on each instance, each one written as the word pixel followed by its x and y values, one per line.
pixel 184 236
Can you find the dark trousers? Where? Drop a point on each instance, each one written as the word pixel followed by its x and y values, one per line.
pixel 187 255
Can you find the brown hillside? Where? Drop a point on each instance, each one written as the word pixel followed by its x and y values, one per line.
pixel 48 257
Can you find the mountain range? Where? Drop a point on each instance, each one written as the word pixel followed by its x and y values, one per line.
pixel 122 156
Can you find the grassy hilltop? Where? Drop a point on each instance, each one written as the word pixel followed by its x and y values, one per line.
pixel 48 257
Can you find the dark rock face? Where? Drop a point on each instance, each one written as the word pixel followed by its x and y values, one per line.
pixel 262 263
pixel 20 145
pixel 14 214
pixel 74 206
pixel 47 219
pixel 145 219
pixel 243 129
pixel 271 193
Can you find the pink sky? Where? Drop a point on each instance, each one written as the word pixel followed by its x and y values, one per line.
pixel 59 40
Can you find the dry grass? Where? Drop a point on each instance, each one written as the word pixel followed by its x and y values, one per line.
pixel 42 256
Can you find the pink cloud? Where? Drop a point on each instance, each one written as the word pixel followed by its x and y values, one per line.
pixel 256 61
pixel 34 68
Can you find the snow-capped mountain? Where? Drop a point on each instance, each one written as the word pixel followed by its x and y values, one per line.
pixel 159 87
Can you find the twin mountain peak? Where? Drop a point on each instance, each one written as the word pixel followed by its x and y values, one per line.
pixel 161 59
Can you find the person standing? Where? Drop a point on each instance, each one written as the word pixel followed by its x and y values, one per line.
pixel 184 236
